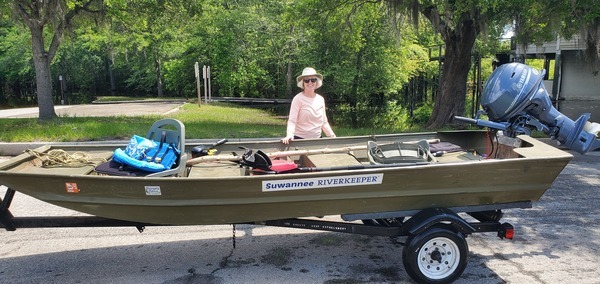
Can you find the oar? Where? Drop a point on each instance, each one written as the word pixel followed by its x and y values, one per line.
pixel 222 158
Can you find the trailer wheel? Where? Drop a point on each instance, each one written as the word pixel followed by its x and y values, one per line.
pixel 436 255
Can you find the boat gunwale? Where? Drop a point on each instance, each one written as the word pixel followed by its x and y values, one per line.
pixel 537 150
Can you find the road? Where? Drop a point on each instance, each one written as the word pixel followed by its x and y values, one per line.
pixel 112 109
pixel 557 241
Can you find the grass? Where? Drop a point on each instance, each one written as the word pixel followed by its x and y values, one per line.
pixel 212 121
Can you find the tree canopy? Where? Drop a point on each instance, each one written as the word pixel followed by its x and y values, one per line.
pixel 370 52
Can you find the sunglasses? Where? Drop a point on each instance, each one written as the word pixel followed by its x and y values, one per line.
pixel 314 80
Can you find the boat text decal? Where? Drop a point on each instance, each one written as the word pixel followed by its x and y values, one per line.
pixel 321 182
pixel 71 187
pixel 152 190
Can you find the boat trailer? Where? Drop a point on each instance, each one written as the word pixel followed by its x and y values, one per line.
pixel 435 250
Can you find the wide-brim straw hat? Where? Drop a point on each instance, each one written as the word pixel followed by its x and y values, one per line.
pixel 309 72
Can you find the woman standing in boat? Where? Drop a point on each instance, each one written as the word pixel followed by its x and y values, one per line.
pixel 307 116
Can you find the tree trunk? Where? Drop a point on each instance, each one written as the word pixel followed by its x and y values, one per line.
pixel 43 78
pixel 450 100
pixel 354 91
pixel 289 81
pixel 159 83
pixel 289 77
pixel 110 64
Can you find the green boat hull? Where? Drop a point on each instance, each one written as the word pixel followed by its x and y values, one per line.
pixel 524 175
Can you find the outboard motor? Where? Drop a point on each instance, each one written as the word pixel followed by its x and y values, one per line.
pixel 516 101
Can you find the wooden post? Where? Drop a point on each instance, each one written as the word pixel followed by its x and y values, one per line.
pixel 197 73
pixel 204 77
pixel 208 75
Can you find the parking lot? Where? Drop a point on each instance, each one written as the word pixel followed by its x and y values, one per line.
pixel 133 108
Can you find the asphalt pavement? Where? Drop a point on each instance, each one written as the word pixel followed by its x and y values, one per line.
pixel 133 108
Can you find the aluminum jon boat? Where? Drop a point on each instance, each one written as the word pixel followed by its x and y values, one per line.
pixel 333 176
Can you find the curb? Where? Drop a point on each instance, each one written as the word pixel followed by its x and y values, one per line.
pixel 139 101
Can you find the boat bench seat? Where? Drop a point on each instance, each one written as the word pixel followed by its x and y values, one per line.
pixel 215 169
pixel 455 157
pixel 329 160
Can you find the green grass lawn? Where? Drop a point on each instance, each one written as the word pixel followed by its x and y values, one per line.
pixel 212 121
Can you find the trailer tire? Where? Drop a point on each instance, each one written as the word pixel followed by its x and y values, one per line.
pixel 436 255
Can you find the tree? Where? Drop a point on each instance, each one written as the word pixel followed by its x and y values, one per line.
pixel 153 32
pixel 537 21
pixel 458 23
pixel 583 17
pixel 48 18
pixel 16 71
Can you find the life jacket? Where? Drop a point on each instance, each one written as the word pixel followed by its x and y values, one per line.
pixel 148 155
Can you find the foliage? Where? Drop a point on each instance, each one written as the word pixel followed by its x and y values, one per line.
pixel 16 71
pixel 370 53
pixel 47 21
pixel 422 114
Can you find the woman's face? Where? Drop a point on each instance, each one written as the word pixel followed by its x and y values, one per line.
pixel 310 82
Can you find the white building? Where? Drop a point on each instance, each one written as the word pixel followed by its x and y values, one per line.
pixel 575 87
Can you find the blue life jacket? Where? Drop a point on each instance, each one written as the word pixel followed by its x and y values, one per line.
pixel 148 155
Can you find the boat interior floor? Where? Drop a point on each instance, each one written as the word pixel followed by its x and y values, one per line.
pixel 222 168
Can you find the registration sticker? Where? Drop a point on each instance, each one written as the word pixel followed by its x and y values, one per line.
pixel 152 190
pixel 71 187
pixel 321 182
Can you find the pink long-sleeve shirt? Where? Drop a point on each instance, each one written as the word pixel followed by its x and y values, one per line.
pixel 307 117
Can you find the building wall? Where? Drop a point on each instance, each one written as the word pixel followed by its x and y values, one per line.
pixel 574 43
pixel 580 88
pixel 578 79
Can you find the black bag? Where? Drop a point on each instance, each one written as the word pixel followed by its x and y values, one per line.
pixel 256 160
pixel 114 168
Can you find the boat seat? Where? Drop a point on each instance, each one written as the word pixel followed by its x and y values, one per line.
pixel 175 134
pixel 215 169
pixel 399 152
pixel 329 160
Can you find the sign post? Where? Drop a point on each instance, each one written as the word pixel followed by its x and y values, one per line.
pixel 209 92
pixel 204 75
pixel 197 73
pixel 62 92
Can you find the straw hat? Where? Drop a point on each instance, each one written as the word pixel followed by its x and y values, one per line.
pixel 309 71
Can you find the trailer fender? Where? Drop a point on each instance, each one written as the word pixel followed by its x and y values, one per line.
pixel 429 217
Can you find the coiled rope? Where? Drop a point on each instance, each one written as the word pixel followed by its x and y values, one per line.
pixel 60 158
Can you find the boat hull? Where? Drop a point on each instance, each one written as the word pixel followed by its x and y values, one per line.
pixel 219 200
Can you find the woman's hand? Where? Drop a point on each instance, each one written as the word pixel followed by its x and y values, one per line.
pixel 287 139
